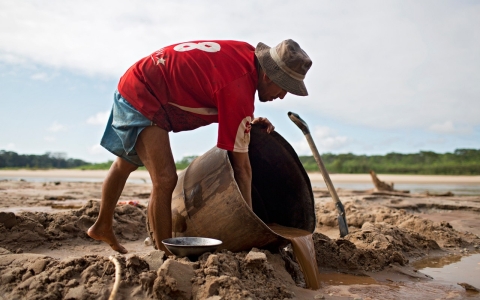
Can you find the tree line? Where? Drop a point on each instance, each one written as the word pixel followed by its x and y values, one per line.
pixel 460 162
pixel 49 160
pixel 59 160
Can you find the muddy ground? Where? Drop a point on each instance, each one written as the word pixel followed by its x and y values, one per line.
pixel 45 253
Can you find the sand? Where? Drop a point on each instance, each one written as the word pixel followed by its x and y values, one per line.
pixel 366 178
pixel 314 176
pixel 45 253
pixel 58 173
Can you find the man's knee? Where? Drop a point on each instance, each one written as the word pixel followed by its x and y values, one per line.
pixel 123 166
pixel 167 181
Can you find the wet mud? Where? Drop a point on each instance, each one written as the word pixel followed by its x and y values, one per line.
pixel 47 255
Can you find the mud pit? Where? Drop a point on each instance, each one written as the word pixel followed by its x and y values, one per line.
pixel 45 253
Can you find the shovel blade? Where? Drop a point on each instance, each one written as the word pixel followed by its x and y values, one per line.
pixel 342 224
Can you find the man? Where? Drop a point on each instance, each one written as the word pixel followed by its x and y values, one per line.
pixel 182 87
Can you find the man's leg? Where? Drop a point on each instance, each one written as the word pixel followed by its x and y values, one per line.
pixel 153 148
pixel 112 188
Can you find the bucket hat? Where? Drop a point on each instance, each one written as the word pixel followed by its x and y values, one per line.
pixel 286 65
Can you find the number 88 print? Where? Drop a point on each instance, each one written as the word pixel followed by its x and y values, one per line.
pixel 204 46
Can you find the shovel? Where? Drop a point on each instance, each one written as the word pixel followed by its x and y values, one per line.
pixel 342 220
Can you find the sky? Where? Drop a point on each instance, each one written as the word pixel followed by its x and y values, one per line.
pixel 387 76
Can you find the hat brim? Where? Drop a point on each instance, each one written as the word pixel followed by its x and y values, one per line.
pixel 276 74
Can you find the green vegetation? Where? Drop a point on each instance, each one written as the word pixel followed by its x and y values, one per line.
pixel 183 164
pixel 100 166
pixel 13 160
pixel 96 166
pixel 460 162
pixel 49 160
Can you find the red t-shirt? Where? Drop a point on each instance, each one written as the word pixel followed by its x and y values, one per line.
pixel 188 85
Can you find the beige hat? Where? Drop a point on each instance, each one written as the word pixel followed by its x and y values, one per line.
pixel 286 65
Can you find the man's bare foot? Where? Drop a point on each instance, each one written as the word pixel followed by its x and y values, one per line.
pixel 107 236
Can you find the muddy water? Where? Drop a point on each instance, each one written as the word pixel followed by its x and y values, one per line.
pixel 452 268
pixel 346 279
pixel 303 247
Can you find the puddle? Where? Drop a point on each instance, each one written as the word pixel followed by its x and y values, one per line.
pixel 345 279
pixel 452 268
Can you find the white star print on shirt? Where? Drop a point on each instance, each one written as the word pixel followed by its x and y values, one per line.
pixel 160 60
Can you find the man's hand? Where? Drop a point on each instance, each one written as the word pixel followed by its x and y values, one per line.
pixel 265 123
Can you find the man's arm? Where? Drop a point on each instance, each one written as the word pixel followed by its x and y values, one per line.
pixel 243 174
pixel 241 165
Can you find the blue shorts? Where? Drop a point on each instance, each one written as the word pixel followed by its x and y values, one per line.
pixel 123 128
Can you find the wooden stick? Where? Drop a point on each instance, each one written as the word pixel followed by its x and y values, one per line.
pixel 118 277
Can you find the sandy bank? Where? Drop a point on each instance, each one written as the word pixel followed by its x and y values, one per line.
pixel 57 173
pixel 364 178
pixel 354 178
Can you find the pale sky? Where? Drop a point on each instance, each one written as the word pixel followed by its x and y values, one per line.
pixel 387 76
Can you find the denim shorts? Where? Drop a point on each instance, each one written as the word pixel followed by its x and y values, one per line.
pixel 123 128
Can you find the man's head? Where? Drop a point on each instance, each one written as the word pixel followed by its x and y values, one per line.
pixel 284 68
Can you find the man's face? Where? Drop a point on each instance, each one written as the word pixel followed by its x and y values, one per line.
pixel 269 90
